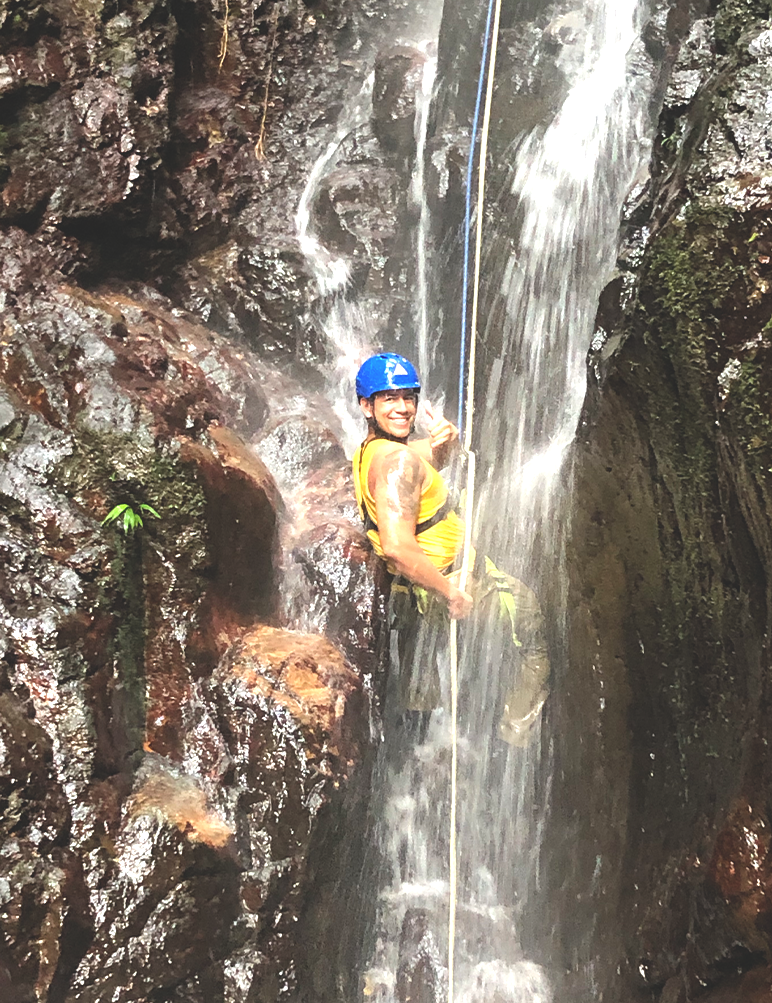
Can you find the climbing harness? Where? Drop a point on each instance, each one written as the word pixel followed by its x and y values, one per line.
pixel 466 395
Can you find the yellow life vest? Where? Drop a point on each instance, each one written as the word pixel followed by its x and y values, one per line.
pixel 439 531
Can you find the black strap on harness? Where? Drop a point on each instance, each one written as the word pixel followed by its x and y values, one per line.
pixel 370 523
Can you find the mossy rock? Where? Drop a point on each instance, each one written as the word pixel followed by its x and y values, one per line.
pixel 734 17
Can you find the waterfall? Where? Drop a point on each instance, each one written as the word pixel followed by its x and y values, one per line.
pixel 568 185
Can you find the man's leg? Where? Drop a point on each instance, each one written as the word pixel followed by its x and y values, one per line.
pixel 418 636
pixel 514 617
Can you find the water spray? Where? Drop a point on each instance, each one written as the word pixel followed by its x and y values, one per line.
pixel 465 423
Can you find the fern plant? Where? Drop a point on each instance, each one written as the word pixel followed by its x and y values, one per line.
pixel 129 519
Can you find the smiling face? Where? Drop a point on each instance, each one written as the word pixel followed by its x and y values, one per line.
pixel 393 411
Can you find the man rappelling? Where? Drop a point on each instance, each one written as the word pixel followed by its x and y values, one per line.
pixel 402 497
pixel 410 522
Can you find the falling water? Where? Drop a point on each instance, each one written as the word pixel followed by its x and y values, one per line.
pixel 418 196
pixel 345 323
pixel 568 185
pixel 569 182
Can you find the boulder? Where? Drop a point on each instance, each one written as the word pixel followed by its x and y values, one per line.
pixel 333 582
pixel 149 882
pixel 293 448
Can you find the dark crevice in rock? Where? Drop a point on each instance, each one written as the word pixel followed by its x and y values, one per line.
pixel 76 935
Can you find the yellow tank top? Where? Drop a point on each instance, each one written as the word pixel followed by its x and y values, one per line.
pixel 441 542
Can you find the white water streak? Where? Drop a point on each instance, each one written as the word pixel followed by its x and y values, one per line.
pixel 569 185
pixel 418 193
pixel 346 326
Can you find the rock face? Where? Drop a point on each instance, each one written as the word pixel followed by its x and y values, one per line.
pixel 165 757
pixel 665 809
pixel 185 709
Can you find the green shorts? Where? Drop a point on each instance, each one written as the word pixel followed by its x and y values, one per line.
pixel 510 617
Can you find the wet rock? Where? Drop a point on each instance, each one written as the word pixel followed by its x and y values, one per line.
pixel 35 807
pixel 306 677
pixel 398 76
pixel 7 410
pixel 295 447
pixel 736 18
pixel 129 813
pixel 695 61
pixel 106 129
pixel 671 536
pixel 335 590
pixel 35 875
pixel 275 732
pixel 33 893
pixel 368 206
pixel 168 861
pixel 420 975
pixel 333 581
pixel 753 986
pixel 241 504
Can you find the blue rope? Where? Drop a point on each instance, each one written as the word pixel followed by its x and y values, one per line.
pixel 468 219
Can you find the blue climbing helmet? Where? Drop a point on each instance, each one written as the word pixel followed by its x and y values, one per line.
pixel 386 371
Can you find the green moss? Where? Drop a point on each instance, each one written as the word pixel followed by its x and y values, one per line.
pixel 688 280
pixel 121 469
pixel 106 469
pixel 736 16
pixel 694 275
pixel 750 408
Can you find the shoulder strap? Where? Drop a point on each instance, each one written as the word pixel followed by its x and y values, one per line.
pixel 366 517
pixel 438 516
pixel 370 524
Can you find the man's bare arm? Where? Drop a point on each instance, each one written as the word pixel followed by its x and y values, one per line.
pixel 396 481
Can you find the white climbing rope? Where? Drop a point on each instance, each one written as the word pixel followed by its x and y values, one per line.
pixel 469 504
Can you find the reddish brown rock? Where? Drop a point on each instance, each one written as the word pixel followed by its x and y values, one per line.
pixel 309 678
pixel 105 127
pixel 741 870
pixel 169 860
